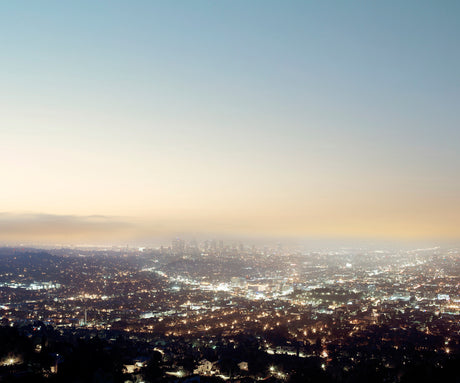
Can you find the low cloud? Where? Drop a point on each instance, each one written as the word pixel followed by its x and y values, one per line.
pixel 65 228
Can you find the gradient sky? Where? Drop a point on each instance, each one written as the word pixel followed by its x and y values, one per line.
pixel 123 120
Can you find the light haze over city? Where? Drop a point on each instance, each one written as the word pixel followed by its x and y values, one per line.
pixel 132 121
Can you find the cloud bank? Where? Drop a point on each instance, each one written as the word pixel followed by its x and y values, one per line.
pixel 64 228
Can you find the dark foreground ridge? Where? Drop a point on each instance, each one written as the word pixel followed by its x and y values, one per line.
pixel 36 352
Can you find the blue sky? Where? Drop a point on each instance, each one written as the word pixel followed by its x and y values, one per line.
pixel 290 118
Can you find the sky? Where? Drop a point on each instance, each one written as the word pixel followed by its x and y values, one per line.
pixel 134 120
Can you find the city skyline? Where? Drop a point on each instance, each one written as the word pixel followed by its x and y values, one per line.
pixel 128 122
